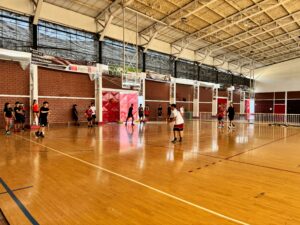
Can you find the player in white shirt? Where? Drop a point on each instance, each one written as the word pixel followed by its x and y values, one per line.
pixel 178 123
pixel 93 108
pixel 181 109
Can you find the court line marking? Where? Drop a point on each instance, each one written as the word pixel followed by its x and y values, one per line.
pixel 19 203
pixel 141 184
pixel 258 147
pixel 17 189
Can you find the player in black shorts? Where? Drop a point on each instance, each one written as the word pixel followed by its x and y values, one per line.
pixel 18 116
pixel 43 119
pixel 231 114
pixel 130 115
pixel 141 113
pixel 9 115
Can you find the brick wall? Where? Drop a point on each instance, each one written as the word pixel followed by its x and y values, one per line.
pixel 65 84
pixel 13 81
pixel 61 83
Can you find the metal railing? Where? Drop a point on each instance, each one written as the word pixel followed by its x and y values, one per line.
pixel 258 118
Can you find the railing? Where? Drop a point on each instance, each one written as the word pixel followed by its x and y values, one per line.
pixel 259 118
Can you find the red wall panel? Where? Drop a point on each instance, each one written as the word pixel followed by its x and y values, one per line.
pixel 184 92
pixel 13 79
pixel 61 83
pixel 111 106
pixel 205 94
pixel 157 90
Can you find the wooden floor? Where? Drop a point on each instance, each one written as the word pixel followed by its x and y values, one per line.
pixel 113 175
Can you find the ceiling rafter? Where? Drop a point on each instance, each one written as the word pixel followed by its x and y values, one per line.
pixel 260 45
pixel 273 25
pixel 234 19
pixel 175 17
pixel 109 13
pixel 37 11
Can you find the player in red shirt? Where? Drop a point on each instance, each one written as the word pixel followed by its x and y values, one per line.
pixel 89 116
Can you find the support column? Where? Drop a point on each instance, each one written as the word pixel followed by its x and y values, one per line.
pixel 33 88
pixel 215 101
pixel 285 110
pixel 98 95
pixel 34 36
pixel 173 91
pixel 242 102
pixel 100 52
pixel 196 100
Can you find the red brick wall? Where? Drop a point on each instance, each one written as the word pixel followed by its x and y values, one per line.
pixel 153 109
pixel 61 83
pixel 157 90
pixel 13 81
pixel 205 107
pixel 61 109
pixel 205 94
pixel 184 92
pixel 66 84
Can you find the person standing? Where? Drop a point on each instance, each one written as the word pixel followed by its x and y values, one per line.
pixel 35 110
pixel 169 111
pixel 18 115
pixel 147 113
pixel 75 115
pixel 89 116
pixel 220 116
pixel 130 115
pixel 178 123
pixel 43 119
pixel 22 116
pixel 93 108
pixel 231 114
pixel 141 113
pixel 159 111
pixel 181 109
pixel 8 114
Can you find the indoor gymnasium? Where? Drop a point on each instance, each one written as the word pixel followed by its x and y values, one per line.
pixel 150 112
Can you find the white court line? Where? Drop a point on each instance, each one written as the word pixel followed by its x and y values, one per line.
pixel 141 184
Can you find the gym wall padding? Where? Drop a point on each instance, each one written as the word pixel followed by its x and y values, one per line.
pixel 111 106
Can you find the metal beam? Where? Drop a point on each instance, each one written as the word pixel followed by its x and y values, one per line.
pixel 107 24
pixel 260 45
pixel 253 32
pixel 37 12
pixel 109 12
pixel 234 19
pixel 174 18
pixel 108 9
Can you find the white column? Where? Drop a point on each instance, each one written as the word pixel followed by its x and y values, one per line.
pixel 173 91
pixel 242 102
pixel 215 101
pixel 98 95
pixel 285 110
pixel 142 92
pixel 196 100
pixel 33 86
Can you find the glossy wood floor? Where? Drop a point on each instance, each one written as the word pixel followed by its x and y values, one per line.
pixel 113 175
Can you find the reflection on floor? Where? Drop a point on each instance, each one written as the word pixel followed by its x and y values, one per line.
pixel 134 175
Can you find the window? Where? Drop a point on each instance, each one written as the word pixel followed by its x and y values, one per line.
pixel 208 74
pixel 112 55
pixel 15 31
pixel 67 43
pixel 159 63
pixel 187 70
